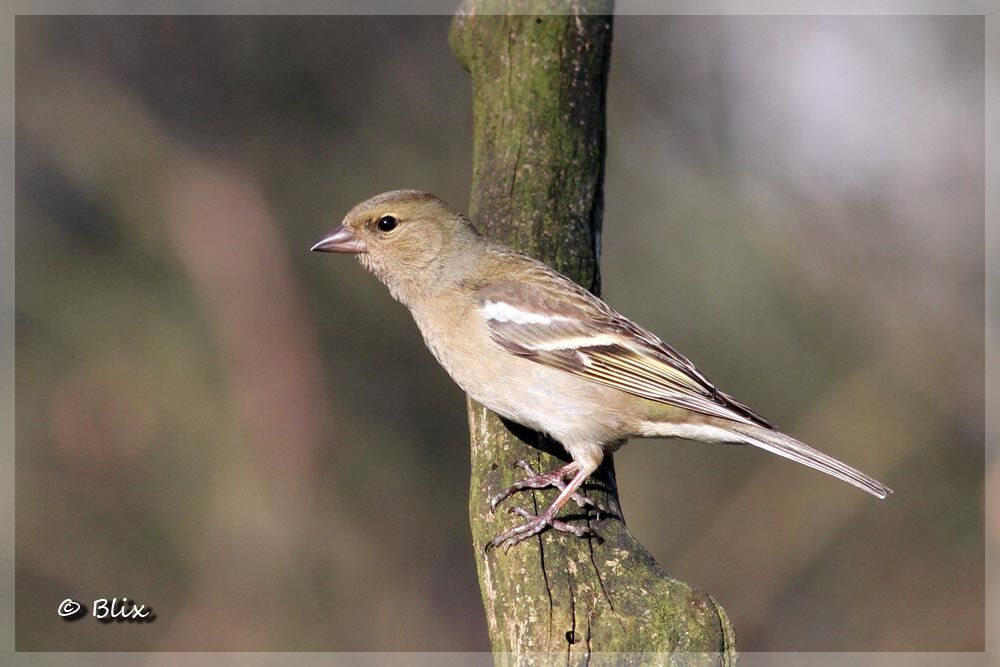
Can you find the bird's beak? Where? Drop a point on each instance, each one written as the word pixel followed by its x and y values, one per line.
pixel 342 239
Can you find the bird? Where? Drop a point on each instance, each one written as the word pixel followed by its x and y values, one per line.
pixel 541 351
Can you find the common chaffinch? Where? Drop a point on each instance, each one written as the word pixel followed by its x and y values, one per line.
pixel 534 347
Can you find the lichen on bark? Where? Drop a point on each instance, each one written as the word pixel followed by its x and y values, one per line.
pixel 539 74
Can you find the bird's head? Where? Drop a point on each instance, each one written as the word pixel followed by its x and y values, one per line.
pixel 405 237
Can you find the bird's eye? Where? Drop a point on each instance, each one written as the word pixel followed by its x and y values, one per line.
pixel 386 223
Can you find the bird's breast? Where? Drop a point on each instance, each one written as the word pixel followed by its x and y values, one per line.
pixel 570 409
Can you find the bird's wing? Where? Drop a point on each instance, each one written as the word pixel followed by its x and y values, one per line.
pixel 541 315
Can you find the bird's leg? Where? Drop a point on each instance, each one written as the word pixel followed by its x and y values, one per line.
pixel 544 480
pixel 537 524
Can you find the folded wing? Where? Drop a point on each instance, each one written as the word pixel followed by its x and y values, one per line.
pixel 550 320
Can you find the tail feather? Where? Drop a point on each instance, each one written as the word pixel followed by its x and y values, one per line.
pixel 790 448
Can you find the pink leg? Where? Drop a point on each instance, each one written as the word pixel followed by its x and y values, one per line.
pixel 537 524
pixel 544 480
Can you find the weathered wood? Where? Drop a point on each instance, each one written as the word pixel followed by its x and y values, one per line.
pixel 539 86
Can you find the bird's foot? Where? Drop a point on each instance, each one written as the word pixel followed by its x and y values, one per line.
pixel 543 480
pixel 534 525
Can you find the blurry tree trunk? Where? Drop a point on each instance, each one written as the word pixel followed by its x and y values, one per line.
pixel 539 98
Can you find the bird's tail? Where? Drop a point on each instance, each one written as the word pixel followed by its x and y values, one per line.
pixel 790 448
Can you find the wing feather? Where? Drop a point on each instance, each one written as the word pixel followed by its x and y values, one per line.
pixel 553 321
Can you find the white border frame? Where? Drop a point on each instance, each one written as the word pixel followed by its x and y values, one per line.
pixel 990 10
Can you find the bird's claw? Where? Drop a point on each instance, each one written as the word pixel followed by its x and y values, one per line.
pixel 543 480
pixel 534 525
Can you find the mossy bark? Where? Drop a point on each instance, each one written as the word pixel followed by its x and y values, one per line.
pixel 539 81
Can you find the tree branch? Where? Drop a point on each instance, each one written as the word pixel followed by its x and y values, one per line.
pixel 539 84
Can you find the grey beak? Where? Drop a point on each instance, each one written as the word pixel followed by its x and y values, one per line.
pixel 342 239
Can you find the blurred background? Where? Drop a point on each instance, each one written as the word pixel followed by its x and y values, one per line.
pixel 252 439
